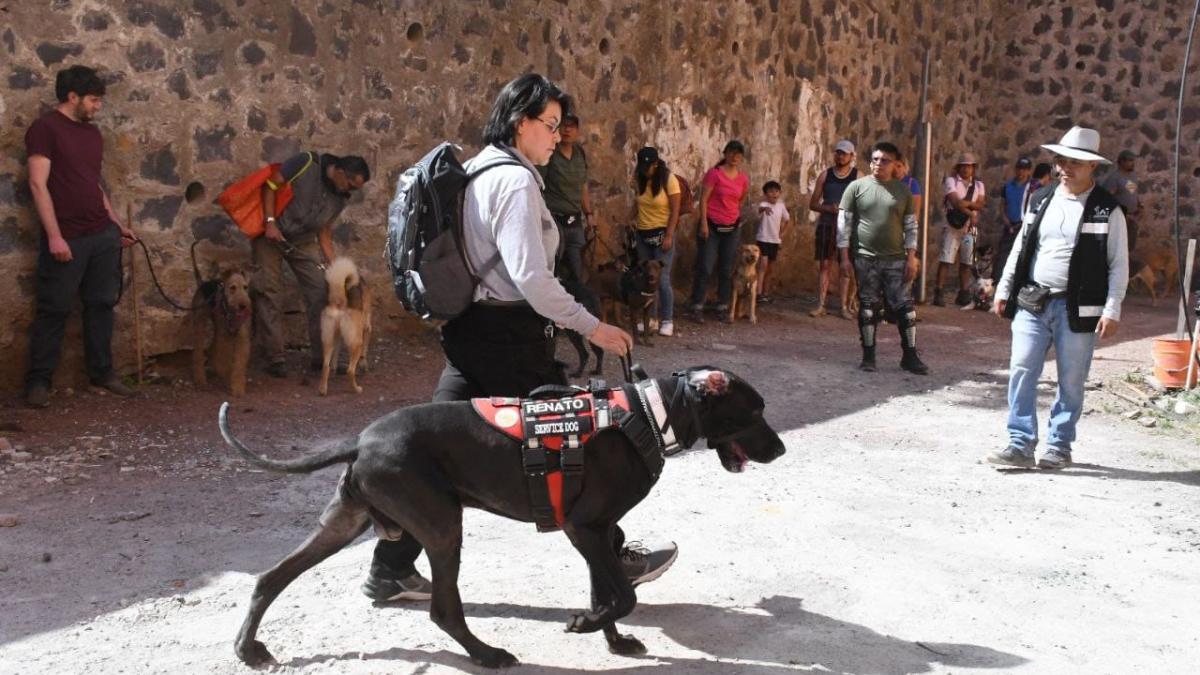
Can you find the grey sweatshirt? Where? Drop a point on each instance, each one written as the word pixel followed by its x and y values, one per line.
pixel 504 211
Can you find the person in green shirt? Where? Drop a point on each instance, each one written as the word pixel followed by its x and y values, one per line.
pixel 877 225
pixel 566 195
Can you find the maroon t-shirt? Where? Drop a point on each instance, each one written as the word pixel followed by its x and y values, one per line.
pixel 75 150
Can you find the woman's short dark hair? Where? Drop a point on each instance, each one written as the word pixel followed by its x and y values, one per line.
pixel 526 96
pixel 732 146
pixel 80 80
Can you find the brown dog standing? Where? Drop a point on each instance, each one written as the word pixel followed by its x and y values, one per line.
pixel 347 315
pixel 225 304
pixel 1152 260
pixel 745 283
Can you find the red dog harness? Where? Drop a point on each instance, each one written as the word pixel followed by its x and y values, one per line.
pixel 553 431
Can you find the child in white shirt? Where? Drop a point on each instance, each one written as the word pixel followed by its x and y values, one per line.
pixel 773 220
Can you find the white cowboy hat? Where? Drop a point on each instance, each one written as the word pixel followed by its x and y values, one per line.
pixel 1079 143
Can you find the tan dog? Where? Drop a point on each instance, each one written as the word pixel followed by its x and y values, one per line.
pixel 1153 260
pixel 745 283
pixel 628 293
pixel 223 303
pixel 346 318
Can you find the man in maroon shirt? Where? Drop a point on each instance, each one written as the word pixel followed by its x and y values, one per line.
pixel 79 255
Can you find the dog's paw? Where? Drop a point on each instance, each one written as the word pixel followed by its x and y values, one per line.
pixel 357 389
pixel 493 657
pixel 626 645
pixel 323 390
pixel 253 653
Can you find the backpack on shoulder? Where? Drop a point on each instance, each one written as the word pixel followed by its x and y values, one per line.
pixel 430 271
pixel 687 200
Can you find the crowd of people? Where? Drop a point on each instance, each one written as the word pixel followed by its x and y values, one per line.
pixel 1061 276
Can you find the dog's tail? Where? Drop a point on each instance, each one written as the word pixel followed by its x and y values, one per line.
pixel 341 274
pixel 344 451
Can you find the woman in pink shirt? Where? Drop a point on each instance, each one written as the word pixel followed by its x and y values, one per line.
pixel 724 189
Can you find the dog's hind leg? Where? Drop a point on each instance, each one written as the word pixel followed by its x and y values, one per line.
pixel 354 346
pixel 329 336
pixel 342 521
pixel 444 550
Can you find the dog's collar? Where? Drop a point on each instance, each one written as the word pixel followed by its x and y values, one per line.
pixel 651 400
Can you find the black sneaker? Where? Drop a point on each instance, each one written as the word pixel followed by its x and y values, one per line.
pixel 37 395
pixel 643 564
pixel 383 586
pixel 278 369
pixel 963 298
pixel 696 313
pixel 938 299
pixel 1055 458
pixel 114 385
pixel 911 361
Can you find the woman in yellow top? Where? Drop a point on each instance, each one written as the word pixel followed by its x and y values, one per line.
pixel 658 205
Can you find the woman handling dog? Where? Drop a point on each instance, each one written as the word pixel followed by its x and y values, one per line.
pixel 657 215
pixel 503 344
pixel 725 188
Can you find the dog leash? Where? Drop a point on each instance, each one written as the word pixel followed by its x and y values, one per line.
pixel 154 278
pixel 627 366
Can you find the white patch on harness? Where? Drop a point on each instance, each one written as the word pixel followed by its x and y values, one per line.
pixel 1094 228
pixel 650 393
pixel 1091 310
pixel 507 417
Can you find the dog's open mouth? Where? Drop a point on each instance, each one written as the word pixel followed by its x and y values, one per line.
pixel 733 457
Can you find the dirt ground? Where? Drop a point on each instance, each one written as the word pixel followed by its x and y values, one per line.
pixel 878 544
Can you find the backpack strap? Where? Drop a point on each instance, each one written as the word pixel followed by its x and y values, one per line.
pixel 491 263
pixel 299 173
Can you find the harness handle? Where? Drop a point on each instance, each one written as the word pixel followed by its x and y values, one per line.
pixel 627 367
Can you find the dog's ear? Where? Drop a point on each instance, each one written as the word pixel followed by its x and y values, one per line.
pixel 709 382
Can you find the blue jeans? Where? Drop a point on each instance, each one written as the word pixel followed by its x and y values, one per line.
pixel 666 295
pixel 718 251
pixel 1032 336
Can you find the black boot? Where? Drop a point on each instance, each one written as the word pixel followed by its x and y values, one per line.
pixel 911 361
pixel 868 360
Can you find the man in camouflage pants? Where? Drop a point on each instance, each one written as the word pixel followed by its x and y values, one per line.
pixel 876 216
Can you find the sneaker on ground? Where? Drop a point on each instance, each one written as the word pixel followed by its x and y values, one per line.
pixel 37 395
pixel 963 298
pixel 666 328
pixel 381 586
pixel 114 385
pixel 938 299
pixel 641 327
pixel 1011 456
pixel 911 361
pixel 642 563
pixel 1055 458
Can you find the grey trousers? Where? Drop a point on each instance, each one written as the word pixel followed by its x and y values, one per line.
pixel 267 288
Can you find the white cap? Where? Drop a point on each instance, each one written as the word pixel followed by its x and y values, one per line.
pixel 845 146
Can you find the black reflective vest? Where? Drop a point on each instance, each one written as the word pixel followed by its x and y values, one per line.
pixel 1087 275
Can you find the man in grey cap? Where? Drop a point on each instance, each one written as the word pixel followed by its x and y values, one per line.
pixel 963 200
pixel 1122 184
pixel 826 196
pixel 1062 286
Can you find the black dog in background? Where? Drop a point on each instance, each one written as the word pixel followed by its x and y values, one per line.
pixel 584 296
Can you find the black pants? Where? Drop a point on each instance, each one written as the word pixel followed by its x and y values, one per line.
pixel 569 264
pixel 490 351
pixel 93 276
pixel 1008 237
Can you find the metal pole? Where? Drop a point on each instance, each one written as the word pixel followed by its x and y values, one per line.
pixel 926 171
pixel 1182 322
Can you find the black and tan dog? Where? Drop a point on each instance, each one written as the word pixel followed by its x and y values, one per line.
pixel 416 469
pixel 584 296
pixel 222 305
pixel 346 319
pixel 629 293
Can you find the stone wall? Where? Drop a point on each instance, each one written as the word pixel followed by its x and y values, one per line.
pixel 1111 65
pixel 206 90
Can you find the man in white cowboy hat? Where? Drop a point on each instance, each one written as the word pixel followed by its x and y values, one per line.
pixel 963 199
pixel 1062 285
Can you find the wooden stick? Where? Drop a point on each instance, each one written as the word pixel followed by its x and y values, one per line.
pixel 1187 286
pixel 137 301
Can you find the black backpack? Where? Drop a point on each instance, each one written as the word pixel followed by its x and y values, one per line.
pixel 430 272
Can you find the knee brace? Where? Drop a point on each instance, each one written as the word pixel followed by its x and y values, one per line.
pixel 907 324
pixel 868 318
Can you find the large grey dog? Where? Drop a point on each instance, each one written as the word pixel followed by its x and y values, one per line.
pixel 416 468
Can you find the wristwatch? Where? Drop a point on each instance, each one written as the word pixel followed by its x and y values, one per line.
pixel 270 219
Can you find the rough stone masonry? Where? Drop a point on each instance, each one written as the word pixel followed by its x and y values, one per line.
pixel 203 91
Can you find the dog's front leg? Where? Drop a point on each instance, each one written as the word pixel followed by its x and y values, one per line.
pixel 754 301
pixel 613 596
